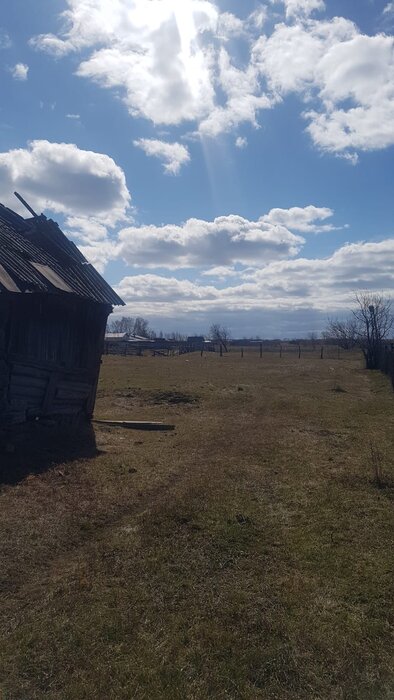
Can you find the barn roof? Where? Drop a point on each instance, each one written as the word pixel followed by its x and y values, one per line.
pixel 116 336
pixel 36 257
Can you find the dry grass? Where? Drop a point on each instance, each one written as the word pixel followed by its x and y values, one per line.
pixel 245 555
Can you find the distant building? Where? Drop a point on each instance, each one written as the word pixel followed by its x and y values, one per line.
pixel 116 337
pixel 139 339
pixel 53 312
pixel 196 340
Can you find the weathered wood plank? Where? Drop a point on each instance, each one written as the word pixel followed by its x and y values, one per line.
pixel 136 424
pixel 65 394
pixel 69 402
pixel 17 380
pixel 20 393
pixel 29 371
pixel 77 387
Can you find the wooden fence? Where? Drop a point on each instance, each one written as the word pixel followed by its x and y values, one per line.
pixel 158 347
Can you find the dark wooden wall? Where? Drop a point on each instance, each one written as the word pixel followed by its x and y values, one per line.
pixel 50 350
pixel 4 369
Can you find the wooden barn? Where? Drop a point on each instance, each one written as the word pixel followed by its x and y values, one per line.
pixel 53 312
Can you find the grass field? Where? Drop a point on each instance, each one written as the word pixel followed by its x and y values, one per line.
pixel 247 554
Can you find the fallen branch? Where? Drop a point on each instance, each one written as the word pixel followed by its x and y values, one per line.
pixel 136 424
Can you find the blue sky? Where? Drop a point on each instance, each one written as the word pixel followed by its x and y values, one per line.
pixel 217 161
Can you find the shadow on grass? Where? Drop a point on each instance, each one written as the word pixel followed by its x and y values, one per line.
pixel 34 448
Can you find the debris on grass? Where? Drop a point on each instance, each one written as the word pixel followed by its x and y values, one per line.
pixel 135 424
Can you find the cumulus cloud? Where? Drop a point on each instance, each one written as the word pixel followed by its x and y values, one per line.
pixel 19 71
pixel 244 97
pixel 165 58
pixel 221 272
pixel 99 254
pixel 241 142
pixel 290 57
pixel 172 155
pixel 331 282
pixel 88 188
pixel 88 230
pixel 224 242
pixel 301 8
pixel 197 243
pixel 319 285
pixel 352 76
pixel 301 219
pixel 65 179
pixel 229 26
pixel 174 63
pixel 153 52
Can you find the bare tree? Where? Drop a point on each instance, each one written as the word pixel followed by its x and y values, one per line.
pixel 220 334
pixel 141 327
pixel 367 328
pixel 121 325
pixel 344 333
pixel 130 325
pixel 374 319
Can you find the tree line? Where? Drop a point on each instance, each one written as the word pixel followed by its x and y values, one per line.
pixel 132 326
pixel 367 327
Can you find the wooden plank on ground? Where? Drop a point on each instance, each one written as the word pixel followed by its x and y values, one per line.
pixel 135 424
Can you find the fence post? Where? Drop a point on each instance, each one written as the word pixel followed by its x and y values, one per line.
pixel 299 351
pixel 261 350
pixel 242 352
pixel 322 352
pixel 280 351
pixel 221 350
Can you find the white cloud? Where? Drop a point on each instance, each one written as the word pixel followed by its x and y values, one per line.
pixel 225 241
pixel 88 230
pixel 322 285
pixel 99 254
pixel 65 179
pixel 172 62
pixel 301 8
pixel 173 155
pixel 241 142
pixel 76 117
pixel 331 282
pixel 165 59
pixel 257 18
pixel 290 56
pixel 229 26
pixel 351 75
pixel 19 71
pixel 154 52
pixel 301 219
pixel 214 247
pixel 220 272
pixel 244 97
